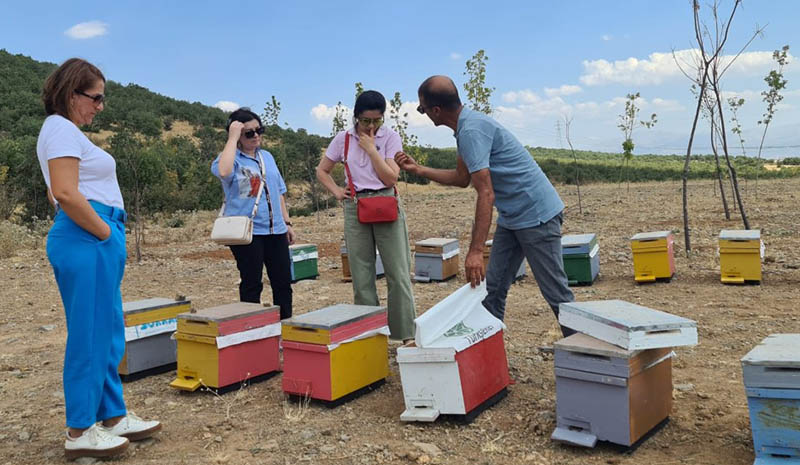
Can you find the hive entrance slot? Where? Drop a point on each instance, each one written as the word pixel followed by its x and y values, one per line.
pixel 662 332
pixel 784 369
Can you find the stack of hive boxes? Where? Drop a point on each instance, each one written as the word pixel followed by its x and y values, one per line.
pixel 614 381
pixel 303 261
pixel 581 257
pixel 740 254
pixel 346 264
pixel 487 251
pixel 771 373
pixel 335 352
pixel 457 365
pixel 221 347
pixel 435 259
pixel 149 347
pixel 653 256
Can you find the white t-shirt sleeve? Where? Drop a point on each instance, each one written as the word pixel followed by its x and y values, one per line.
pixel 62 139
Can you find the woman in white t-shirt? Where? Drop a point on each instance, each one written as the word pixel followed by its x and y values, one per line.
pixel 86 247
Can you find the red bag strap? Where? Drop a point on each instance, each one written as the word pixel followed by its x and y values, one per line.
pixel 347 169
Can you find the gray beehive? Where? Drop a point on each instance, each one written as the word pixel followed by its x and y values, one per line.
pixel 606 393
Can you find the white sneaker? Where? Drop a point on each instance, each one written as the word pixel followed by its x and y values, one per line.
pixel 134 428
pixel 94 442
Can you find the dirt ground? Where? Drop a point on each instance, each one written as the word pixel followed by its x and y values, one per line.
pixel 257 424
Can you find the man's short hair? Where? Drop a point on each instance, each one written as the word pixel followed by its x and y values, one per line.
pixel 440 95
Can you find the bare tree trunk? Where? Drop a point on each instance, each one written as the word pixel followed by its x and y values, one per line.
pixel 732 170
pixel 567 123
pixel 138 227
pixel 686 232
pixel 719 170
pixel 758 158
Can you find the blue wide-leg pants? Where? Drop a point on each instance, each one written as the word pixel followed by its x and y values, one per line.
pixel 89 274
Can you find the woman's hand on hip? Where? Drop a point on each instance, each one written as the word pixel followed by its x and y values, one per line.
pixel 343 193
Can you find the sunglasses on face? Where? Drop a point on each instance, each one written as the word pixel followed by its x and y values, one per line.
pixel 422 110
pixel 97 99
pixel 252 133
pixel 368 121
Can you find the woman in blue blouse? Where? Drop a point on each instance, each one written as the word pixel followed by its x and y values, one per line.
pixel 239 169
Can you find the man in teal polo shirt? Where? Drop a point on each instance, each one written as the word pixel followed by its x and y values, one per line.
pixel 505 175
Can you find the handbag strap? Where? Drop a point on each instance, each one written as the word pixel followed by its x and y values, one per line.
pixel 258 195
pixel 347 169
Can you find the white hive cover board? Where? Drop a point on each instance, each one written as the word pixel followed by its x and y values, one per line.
pixel 740 234
pixel 627 325
pixel 776 350
pixel 459 321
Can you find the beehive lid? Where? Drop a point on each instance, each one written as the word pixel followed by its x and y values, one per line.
pixel 776 350
pixel 301 247
pixel 585 344
pixel 147 305
pixel 227 312
pixel 334 316
pixel 740 234
pixel 575 240
pixel 649 236
pixel 436 242
pixel 625 315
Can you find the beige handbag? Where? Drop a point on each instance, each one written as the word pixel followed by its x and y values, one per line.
pixel 237 230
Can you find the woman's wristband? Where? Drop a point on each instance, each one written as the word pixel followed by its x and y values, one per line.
pixel 288 223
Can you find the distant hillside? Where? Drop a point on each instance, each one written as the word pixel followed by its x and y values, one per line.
pixel 131 106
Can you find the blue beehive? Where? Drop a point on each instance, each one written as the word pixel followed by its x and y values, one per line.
pixel 771 373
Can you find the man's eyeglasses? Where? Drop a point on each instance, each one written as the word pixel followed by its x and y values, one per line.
pixel 97 99
pixel 252 133
pixel 368 121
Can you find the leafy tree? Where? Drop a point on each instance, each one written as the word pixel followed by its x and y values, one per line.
pixel 359 89
pixel 272 110
pixel 567 124
pixel 339 119
pixel 140 170
pixel 772 96
pixel 477 92
pixel 627 123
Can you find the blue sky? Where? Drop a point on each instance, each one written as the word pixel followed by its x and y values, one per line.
pixel 546 59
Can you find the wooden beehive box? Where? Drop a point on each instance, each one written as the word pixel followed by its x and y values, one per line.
pixel 379 271
pixel 335 352
pixel 627 325
pixel 435 259
pixel 580 253
pixel 653 256
pixel 487 251
pixel 149 347
pixel 304 261
pixel 223 346
pixel 606 393
pixel 740 254
pixel 771 373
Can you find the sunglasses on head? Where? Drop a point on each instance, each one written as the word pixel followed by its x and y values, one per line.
pixel 252 133
pixel 97 99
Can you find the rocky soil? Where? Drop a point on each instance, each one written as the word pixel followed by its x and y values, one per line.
pixel 258 424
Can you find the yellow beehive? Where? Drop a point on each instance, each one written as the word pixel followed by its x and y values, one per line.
pixel 653 256
pixel 740 253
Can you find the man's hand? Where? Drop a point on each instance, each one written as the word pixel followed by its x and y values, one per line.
pixel 405 162
pixel 473 268
pixel 290 235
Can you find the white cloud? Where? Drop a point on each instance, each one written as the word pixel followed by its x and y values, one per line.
pixel 521 96
pixel 606 37
pixel 323 112
pixel 659 67
pixel 455 56
pixel 87 30
pixel 566 89
pixel 226 105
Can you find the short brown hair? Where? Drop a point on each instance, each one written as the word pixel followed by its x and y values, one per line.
pixel 73 75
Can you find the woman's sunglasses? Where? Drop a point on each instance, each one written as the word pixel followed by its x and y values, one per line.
pixel 252 133
pixel 367 121
pixel 97 99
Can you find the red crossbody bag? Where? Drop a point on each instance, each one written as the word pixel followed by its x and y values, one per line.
pixel 370 209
